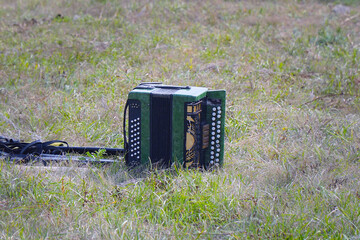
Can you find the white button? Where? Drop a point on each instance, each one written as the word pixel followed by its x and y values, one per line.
pixel 217 160
pixel 211 162
pixel 214 108
pixel 218 107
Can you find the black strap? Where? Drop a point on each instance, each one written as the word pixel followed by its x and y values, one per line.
pixel 126 144
pixel 11 146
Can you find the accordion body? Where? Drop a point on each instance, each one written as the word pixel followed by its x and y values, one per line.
pixel 175 125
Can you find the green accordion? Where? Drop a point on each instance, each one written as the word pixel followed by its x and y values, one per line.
pixel 175 125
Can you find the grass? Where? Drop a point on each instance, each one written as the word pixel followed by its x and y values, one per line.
pixel 291 71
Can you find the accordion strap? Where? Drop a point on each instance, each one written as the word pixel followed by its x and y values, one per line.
pixel 126 144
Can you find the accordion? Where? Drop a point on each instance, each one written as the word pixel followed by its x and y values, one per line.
pixel 174 125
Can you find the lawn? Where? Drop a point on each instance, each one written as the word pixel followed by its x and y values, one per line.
pixel 292 153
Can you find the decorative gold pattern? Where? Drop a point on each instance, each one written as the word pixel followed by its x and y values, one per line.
pixel 192 131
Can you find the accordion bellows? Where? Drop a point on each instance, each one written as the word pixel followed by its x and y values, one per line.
pixel 174 124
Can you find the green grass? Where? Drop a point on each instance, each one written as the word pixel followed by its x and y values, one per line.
pixel 291 71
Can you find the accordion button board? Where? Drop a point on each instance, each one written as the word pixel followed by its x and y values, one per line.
pixel 134 132
pixel 176 125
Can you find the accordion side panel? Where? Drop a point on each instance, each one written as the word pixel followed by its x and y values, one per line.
pixel 143 96
pixel 214 153
pixel 134 130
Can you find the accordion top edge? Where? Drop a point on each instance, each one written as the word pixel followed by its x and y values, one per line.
pixel 174 124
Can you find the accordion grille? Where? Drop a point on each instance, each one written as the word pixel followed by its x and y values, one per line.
pixel 161 135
